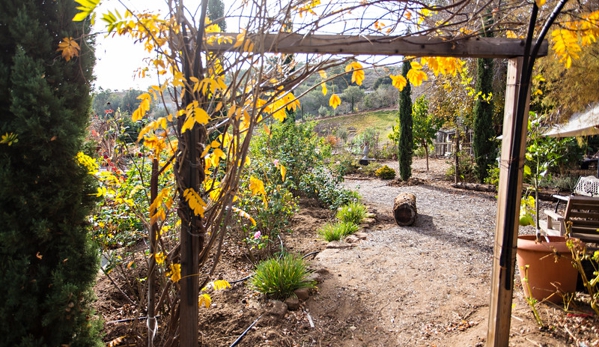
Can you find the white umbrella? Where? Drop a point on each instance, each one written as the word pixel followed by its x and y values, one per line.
pixel 580 124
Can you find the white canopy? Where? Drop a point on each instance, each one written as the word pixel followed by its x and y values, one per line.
pixel 580 124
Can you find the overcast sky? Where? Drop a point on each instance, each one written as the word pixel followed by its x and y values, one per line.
pixel 118 57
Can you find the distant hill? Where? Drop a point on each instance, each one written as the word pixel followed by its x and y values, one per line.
pixel 381 120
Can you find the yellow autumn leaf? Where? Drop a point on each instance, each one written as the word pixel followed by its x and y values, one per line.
pixel 160 258
pixel 398 81
pixel 334 101
pixel 423 14
pixel 101 192
pixel 511 35
pixel 175 273
pixel 87 7
pixel 283 172
pixel 540 3
pixel 205 300
pixel 220 285
pixel 69 48
pixel 257 186
pixel 565 46
pixel 194 114
pixel 245 215
pixel 144 106
pixel 357 74
pixel 324 89
pixel 266 129
pixel 323 74
pixel 195 201
pixel 416 77
pixel 415 65
pixel 9 139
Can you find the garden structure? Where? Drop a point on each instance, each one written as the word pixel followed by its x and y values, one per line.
pixel 521 55
pixel 193 133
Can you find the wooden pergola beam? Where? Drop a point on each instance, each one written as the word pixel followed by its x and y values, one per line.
pixel 417 46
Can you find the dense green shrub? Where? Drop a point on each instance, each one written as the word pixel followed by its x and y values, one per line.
pixel 293 145
pixel 321 184
pixel 49 264
pixel 385 173
pixel 279 277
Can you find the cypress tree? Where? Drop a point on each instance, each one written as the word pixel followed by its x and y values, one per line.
pixel 216 13
pixel 483 144
pixel 48 263
pixel 406 141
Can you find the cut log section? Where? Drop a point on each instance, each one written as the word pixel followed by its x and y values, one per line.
pixel 404 209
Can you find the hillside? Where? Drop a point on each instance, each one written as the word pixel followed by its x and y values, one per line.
pixel 381 121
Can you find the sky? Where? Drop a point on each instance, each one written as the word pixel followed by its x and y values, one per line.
pixel 117 58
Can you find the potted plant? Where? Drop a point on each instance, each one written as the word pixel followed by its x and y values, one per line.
pixel 545 262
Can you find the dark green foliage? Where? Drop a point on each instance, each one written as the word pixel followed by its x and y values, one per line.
pixel 381 81
pixel 48 264
pixel 216 13
pixel 294 146
pixel 106 102
pixel 425 124
pixel 320 183
pixel 484 134
pixel 406 149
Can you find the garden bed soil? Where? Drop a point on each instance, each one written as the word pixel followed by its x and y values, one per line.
pixel 421 285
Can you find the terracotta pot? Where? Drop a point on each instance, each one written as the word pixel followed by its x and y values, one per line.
pixel 546 270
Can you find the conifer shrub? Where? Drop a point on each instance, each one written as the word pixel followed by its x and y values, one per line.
pixel 48 263
pixel 385 173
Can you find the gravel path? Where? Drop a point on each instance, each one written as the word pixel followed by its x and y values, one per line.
pixel 422 285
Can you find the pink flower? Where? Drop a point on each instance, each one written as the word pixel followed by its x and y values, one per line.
pixel 257 235
pixel 276 162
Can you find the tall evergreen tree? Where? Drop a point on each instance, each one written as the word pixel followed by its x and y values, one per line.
pixel 483 144
pixel 216 13
pixel 48 262
pixel 406 141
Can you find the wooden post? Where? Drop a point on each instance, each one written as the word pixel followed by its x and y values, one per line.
pixel 152 263
pixel 502 277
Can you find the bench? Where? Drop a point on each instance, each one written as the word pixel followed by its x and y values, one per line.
pixel 583 214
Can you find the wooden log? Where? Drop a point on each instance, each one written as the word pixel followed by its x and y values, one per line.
pixel 404 209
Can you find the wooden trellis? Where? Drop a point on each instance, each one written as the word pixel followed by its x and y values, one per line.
pixel 474 47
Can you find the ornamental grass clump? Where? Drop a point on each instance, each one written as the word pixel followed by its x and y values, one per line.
pixel 279 277
pixel 353 212
pixel 334 232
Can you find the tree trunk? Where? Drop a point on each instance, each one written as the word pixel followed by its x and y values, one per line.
pixel 426 152
pixel 456 150
pixel 404 209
